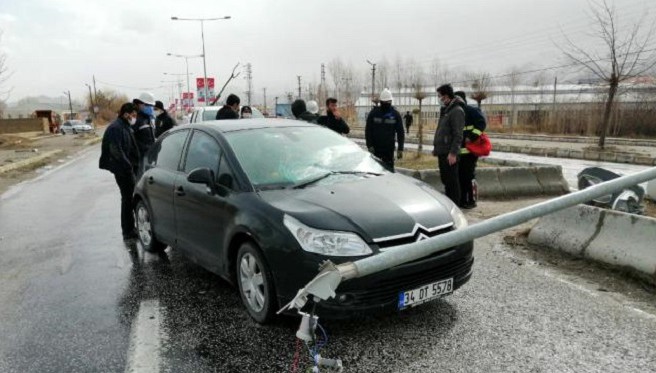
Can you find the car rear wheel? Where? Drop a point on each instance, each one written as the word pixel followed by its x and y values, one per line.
pixel 255 283
pixel 145 229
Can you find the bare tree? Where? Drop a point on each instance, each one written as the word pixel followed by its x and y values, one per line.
pixel 4 75
pixel 480 85
pixel 623 55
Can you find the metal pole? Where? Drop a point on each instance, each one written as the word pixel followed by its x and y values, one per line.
pixel 187 63
pixel 91 104
pixel 265 103
pixel 70 104
pixel 326 282
pixel 299 86
pixel 202 35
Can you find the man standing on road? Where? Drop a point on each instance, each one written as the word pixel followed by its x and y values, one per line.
pixel 231 108
pixel 384 123
pixel 474 126
pixel 120 156
pixel 408 121
pixel 447 141
pixel 333 118
pixel 163 121
pixel 144 128
pixel 300 112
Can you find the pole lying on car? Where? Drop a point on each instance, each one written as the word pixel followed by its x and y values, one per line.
pixel 323 286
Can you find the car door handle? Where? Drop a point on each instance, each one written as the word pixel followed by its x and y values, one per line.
pixel 179 191
pixel 151 180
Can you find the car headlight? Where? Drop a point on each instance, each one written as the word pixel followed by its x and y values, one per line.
pixel 331 243
pixel 459 219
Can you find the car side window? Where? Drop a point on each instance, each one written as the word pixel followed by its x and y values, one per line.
pixel 225 176
pixel 203 151
pixel 169 151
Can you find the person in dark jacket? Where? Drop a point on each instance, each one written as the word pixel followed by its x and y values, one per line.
pixel 144 128
pixel 447 141
pixel 408 121
pixel 384 124
pixel 333 119
pixel 120 156
pixel 231 108
pixel 300 112
pixel 163 121
pixel 474 126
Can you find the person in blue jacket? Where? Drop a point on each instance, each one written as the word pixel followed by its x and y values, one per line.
pixel 384 125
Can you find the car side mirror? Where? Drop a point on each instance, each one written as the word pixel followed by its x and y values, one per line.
pixel 202 176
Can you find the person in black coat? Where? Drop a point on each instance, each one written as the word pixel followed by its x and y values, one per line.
pixel 333 119
pixel 384 124
pixel 144 128
pixel 231 108
pixel 474 126
pixel 120 156
pixel 301 113
pixel 163 121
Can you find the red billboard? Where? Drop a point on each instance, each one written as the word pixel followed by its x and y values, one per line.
pixel 200 88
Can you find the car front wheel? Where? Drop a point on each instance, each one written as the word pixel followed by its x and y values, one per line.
pixel 255 283
pixel 145 229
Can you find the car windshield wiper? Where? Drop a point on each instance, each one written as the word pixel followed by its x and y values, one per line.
pixel 313 180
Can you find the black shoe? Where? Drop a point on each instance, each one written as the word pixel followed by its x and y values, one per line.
pixel 468 206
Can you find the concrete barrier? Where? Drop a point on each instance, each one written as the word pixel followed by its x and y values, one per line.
pixel 519 181
pixel 551 180
pixel 489 185
pixel 432 178
pixel 651 190
pixel 601 235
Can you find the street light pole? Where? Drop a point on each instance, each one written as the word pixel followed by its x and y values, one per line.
pixel 186 57
pixel 202 35
pixel 70 103
pixel 91 103
pixel 373 79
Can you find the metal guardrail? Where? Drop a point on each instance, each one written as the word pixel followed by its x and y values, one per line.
pixel 324 285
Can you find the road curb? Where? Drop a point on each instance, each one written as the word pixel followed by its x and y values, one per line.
pixel 601 235
pixel 29 161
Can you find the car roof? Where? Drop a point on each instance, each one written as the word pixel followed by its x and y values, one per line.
pixel 232 125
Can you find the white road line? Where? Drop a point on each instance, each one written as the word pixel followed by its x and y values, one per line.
pixel 145 339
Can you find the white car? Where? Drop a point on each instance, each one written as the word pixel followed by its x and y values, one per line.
pixel 205 113
pixel 75 127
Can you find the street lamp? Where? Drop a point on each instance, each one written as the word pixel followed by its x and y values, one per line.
pixel 202 35
pixel 187 57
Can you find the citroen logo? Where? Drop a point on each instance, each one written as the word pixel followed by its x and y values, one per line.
pixel 421 237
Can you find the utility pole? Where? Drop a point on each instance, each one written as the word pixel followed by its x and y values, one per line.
pixel 373 79
pixel 265 102
pixel 70 103
pixel 299 86
pixel 324 92
pixel 553 105
pixel 249 80
pixel 91 104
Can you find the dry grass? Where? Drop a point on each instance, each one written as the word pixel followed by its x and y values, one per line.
pixel 9 142
pixel 423 162
pixel 650 208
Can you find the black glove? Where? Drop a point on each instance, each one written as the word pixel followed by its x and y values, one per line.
pixel 399 154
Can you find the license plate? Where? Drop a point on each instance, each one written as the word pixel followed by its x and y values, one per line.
pixel 425 293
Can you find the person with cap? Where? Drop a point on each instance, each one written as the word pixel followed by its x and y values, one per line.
pixel 231 108
pixel 333 119
pixel 408 121
pixel 474 126
pixel 163 121
pixel 120 156
pixel 144 128
pixel 301 113
pixel 246 112
pixel 384 124
pixel 447 140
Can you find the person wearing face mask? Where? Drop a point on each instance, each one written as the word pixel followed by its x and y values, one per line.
pixel 120 156
pixel 447 140
pixel 163 121
pixel 246 112
pixel 231 108
pixel 144 129
pixel 384 124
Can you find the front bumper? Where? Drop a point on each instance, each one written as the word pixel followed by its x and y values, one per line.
pixel 379 292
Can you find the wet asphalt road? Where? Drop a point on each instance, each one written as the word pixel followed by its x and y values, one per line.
pixel 75 298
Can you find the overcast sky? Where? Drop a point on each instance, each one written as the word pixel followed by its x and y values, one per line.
pixel 57 45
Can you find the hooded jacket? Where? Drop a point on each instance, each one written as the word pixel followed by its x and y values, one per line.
pixel 449 133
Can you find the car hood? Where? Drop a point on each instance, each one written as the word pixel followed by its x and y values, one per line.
pixel 375 207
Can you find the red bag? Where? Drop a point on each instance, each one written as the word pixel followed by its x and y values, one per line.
pixel 481 147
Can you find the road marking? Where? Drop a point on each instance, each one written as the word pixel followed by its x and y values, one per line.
pixel 145 339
